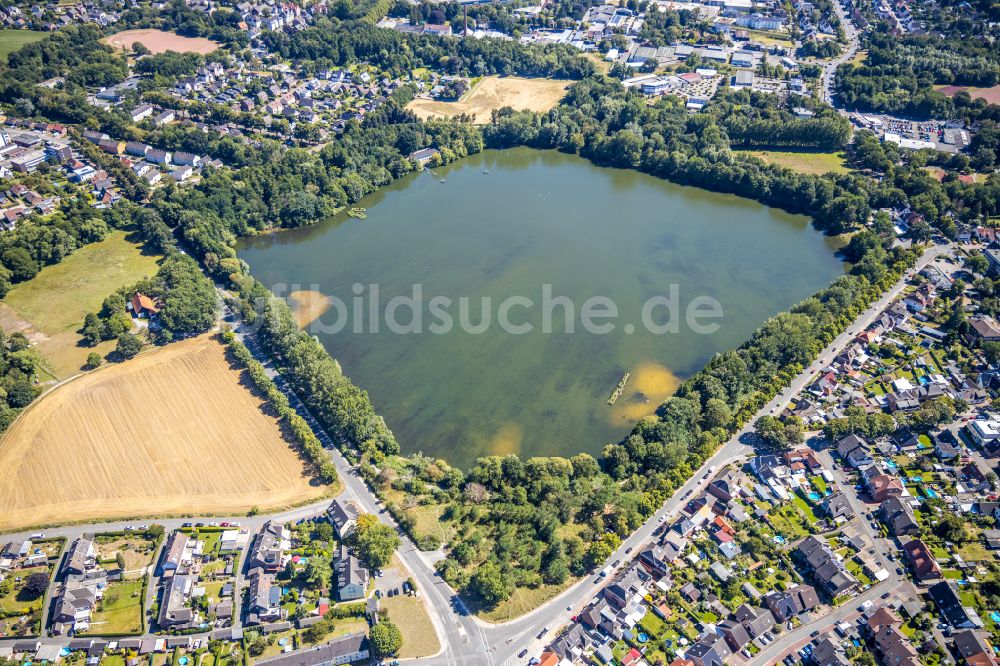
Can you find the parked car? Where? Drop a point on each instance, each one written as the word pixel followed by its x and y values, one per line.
pixel 522 653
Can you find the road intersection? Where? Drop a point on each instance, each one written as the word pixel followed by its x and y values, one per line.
pixel 464 638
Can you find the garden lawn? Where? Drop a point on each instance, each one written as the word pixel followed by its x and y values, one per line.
pixel 653 625
pixel 11 605
pixel 804 507
pixel 974 552
pixel 787 522
pixel 120 611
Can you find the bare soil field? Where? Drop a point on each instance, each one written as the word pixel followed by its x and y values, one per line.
pixel 171 432
pixel 159 41
pixel 494 92
pixel 991 95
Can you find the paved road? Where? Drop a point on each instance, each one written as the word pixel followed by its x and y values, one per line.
pixel 523 631
pixel 465 638
pixel 853 42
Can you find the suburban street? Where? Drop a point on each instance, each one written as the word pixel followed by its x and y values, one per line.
pixel 523 631
pixel 829 69
pixel 467 639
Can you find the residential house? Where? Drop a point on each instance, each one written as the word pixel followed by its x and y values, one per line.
pixel 882 486
pixel 734 633
pixel 352 576
pixel 264 598
pixel 922 561
pixel 899 516
pixel 949 604
pixel 143 306
pixel 187 159
pixel 855 451
pixel 141 111
pixel 182 173
pixel 174 552
pixel 158 156
pixel 343 516
pixel 789 603
pixel 111 146
pixel 73 607
pixel 347 650
pixel 269 546
pixel 710 650
pixel 174 612
pixel 826 567
pixel 972 647
pixel 828 652
pixel 424 156
pixel 137 148
pixel 80 558
pixel 973 477
pixel 167 116
pixel 836 505
pixel 757 621
pixel 892 646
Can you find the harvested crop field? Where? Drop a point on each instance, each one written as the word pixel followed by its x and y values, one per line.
pixel 170 432
pixel 159 41
pixel 494 92
pixel 991 95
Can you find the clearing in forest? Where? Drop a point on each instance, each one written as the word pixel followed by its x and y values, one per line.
pixel 495 92
pixel 159 41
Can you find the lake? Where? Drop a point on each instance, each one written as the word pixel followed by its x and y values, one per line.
pixel 503 225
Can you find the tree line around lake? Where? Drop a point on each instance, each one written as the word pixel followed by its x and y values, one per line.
pixel 509 512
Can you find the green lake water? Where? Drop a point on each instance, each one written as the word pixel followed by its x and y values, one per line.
pixel 538 218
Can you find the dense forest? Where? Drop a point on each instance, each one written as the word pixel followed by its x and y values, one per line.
pixel 899 75
pixel 508 510
pixel 18 365
pixel 339 43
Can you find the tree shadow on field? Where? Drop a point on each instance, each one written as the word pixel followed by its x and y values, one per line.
pixel 269 410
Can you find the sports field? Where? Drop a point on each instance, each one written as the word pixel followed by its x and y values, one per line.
pixel 50 307
pixel 170 432
pixel 495 92
pixel 159 41
pixel 12 40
